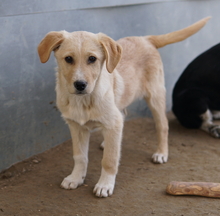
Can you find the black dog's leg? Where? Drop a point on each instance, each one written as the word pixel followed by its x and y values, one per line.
pixel 188 106
pixel 192 110
pixel 209 126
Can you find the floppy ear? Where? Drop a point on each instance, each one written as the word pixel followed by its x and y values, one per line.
pixel 50 42
pixel 112 51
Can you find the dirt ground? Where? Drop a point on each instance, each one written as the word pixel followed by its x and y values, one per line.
pixel 32 186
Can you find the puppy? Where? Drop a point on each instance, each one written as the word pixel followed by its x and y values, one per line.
pixel 97 79
pixel 196 95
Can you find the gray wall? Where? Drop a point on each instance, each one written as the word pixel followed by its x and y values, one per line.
pixel 30 122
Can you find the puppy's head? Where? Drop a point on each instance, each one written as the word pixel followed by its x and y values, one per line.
pixel 80 57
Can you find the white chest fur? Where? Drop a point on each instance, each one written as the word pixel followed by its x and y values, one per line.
pixel 80 109
pixel 90 111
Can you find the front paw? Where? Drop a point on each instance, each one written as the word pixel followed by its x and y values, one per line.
pixel 159 158
pixel 214 131
pixel 71 183
pixel 105 185
pixel 103 190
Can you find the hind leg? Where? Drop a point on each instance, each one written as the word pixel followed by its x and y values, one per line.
pixel 191 109
pixel 156 100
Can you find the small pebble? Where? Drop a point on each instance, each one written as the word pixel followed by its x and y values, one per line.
pixel 35 161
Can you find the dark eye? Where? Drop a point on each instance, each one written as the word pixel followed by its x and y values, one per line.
pixel 69 59
pixel 91 59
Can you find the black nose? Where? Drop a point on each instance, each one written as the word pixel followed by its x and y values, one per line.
pixel 80 85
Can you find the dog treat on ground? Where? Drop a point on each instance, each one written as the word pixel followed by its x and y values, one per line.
pixel 207 189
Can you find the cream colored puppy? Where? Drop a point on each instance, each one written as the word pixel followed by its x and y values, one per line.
pixel 97 78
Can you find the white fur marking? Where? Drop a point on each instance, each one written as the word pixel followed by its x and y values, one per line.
pixel 207 120
pixel 105 185
pixel 215 114
pixel 159 158
pixel 79 76
pixel 78 174
pixel 208 126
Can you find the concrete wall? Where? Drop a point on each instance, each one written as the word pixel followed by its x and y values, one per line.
pixel 29 120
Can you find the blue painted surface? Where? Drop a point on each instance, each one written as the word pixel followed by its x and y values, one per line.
pixel 29 122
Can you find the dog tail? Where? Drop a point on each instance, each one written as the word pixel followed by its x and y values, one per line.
pixel 176 36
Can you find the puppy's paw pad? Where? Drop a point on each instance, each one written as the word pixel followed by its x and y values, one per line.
pixel 215 131
pixel 103 191
pixel 68 183
pixel 159 158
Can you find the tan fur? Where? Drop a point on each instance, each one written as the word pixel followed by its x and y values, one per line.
pixel 124 71
pixel 173 37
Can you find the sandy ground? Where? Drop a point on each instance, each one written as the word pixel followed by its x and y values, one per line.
pixel 32 186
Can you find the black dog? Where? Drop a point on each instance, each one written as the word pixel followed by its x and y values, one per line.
pixel 196 95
